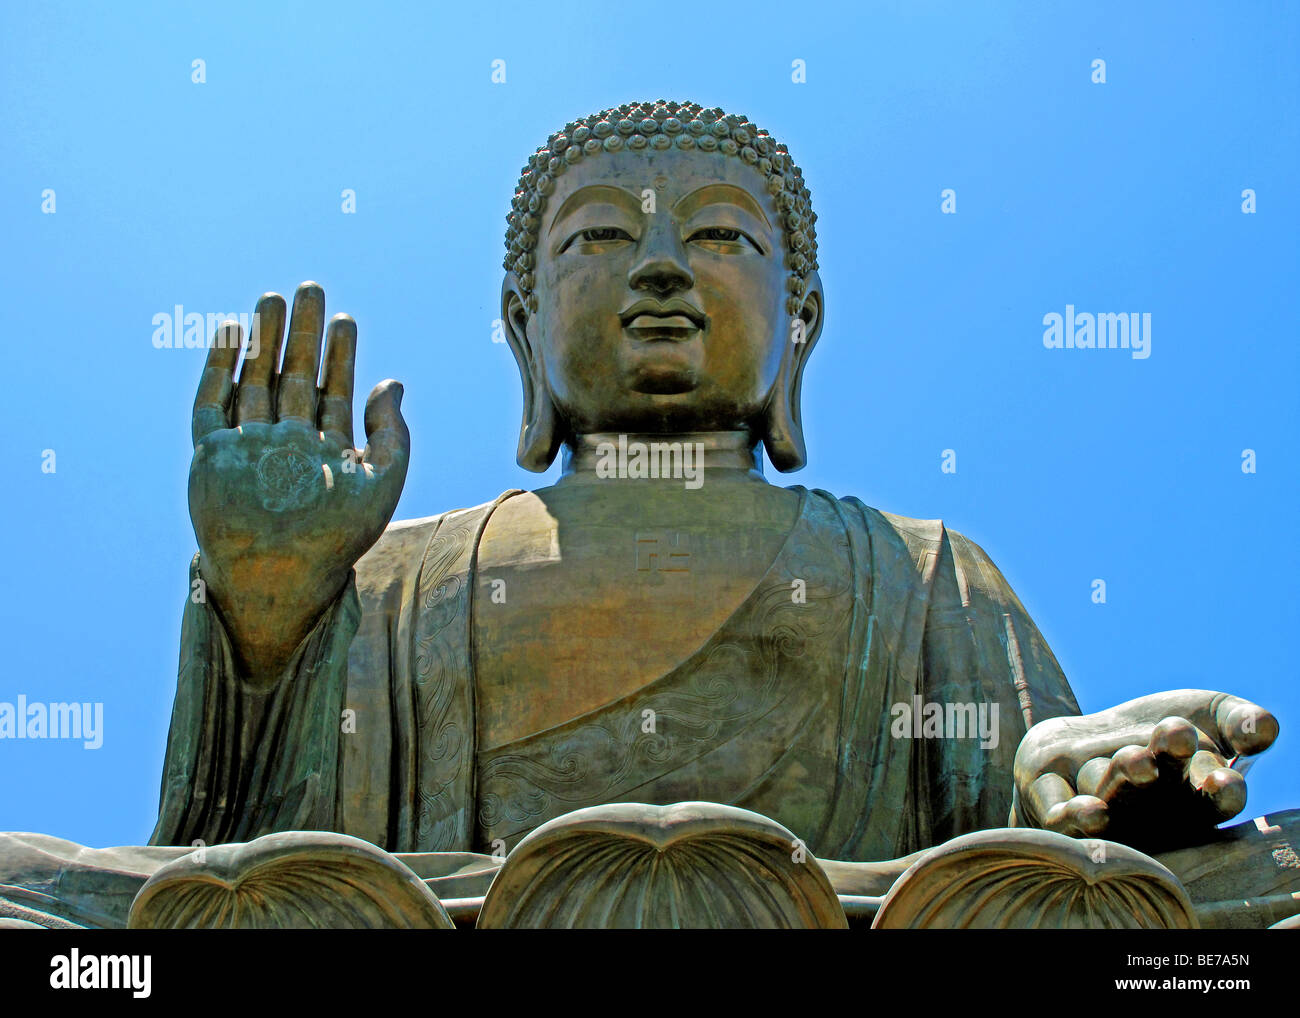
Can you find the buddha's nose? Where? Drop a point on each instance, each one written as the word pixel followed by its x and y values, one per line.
pixel 661 265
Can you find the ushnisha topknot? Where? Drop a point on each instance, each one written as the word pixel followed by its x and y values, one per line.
pixel 661 125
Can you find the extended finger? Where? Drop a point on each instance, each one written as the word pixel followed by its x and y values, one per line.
pixel 296 387
pixel 336 387
pixel 216 385
pixel 1053 802
pixel 1212 777
pixel 257 374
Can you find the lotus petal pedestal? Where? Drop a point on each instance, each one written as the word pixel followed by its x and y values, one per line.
pixel 1030 879
pixel 295 880
pixel 694 864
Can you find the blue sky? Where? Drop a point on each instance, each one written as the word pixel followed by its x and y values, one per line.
pixel 1073 465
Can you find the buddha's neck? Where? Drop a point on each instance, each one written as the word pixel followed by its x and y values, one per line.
pixel 725 456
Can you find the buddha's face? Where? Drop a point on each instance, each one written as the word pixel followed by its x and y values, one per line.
pixel 667 320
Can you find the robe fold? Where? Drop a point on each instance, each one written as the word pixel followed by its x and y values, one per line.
pixel 798 707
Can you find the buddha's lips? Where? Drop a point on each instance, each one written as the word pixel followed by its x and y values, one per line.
pixel 673 315
pixel 673 323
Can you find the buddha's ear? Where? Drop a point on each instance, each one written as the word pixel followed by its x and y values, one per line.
pixel 782 422
pixel 540 435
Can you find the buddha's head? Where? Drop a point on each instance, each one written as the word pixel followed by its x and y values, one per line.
pixel 661 277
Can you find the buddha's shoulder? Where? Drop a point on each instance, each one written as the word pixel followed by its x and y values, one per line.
pixel 394 560
pixel 924 542
pixel 414 531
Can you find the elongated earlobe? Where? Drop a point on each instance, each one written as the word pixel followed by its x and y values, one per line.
pixel 542 433
pixel 782 421
pixel 783 431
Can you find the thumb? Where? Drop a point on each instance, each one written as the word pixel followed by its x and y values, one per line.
pixel 388 440
pixel 1244 726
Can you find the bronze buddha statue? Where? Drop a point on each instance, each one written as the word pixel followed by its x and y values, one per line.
pixel 662 624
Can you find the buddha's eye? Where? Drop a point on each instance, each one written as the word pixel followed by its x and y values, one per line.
pixel 597 236
pixel 721 238
pixel 715 233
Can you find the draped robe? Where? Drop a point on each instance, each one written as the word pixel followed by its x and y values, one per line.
pixel 788 709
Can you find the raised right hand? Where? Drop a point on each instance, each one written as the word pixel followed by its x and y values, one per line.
pixel 281 502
